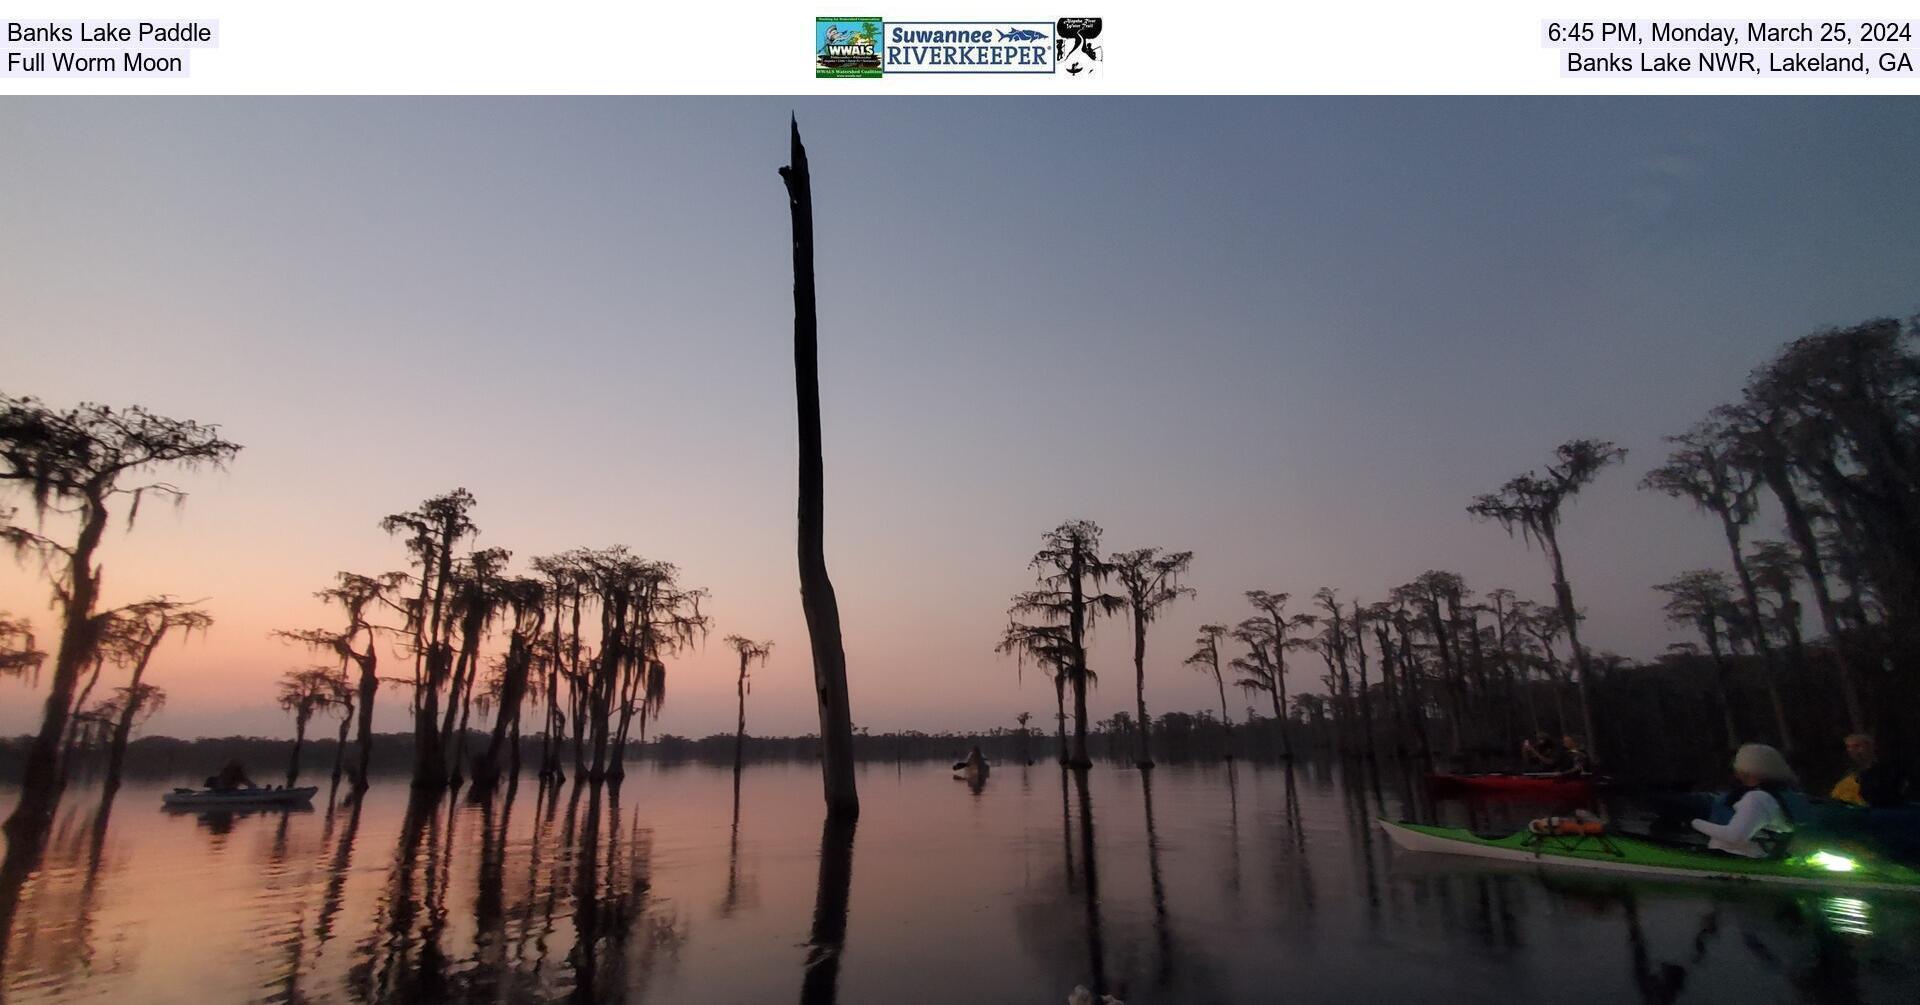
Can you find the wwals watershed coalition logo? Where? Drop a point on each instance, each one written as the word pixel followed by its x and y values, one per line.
pixel 872 47
pixel 846 47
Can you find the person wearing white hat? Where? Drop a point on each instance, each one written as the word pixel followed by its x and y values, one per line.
pixel 1759 811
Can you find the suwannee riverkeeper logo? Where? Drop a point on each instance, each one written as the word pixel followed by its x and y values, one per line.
pixel 876 47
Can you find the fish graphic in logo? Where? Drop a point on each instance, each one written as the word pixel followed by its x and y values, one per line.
pixel 968 47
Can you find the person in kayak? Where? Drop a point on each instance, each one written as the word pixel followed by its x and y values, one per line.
pixel 1872 782
pixel 1542 754
pixel 231 777
pixel 1760 818
pixel 975 764
pixel 1576 759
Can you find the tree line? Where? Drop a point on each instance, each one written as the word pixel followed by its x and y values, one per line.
pixel 589 633
pixel 1823 444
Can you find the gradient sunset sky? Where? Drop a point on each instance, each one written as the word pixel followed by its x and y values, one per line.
pixel 1295 336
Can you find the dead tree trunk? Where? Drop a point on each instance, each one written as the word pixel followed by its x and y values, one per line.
pixel 816 589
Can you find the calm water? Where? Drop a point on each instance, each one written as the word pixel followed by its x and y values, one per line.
pixel 1215 884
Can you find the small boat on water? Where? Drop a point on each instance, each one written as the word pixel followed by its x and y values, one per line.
pixel 1549 784
pixel 202 798
pixel 1618 853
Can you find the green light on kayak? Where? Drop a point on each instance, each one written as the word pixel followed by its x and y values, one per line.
pixel 1832 863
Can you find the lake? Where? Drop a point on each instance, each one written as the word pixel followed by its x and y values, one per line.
pixel 1191 883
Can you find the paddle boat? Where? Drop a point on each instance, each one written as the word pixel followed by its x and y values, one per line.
pixel 1595 850
pixel 244 796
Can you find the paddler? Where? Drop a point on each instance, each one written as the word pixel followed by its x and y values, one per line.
pixel 975 765
pixel 1577 761
pixel 231 777
pixel 1759 805
pixel 1542 754
pixel 1871 782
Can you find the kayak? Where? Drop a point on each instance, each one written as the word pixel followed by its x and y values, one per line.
pixel 1844 818
pixel 1513 784
pixel 1633 856
pixel 240 797
pixel 1889 831
pixel 1892 831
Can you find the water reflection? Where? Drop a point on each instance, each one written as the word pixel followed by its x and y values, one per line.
pixel 59 934
pixel 1233 835
pixel 740 892
pixel 1202 883
pixel 588 912
pixel 393 963
pixel 219 822
pixel 1090 886
pixel 340 861
pixel 1658 984
pixel 1294 876
pixel 820 984
pixel 1162 933
pixel 1060 921
pixel 489 900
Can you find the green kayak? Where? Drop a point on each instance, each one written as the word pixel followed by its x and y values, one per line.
pixel 1812 867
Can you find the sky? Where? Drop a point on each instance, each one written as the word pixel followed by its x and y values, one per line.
pixel 1294 336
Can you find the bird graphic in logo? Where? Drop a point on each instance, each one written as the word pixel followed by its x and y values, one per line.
pixel 835 36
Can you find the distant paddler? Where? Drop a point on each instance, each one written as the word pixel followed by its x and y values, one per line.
pixel 974 769
pixel 232 777
pixel 1542 753
pixel 1576 760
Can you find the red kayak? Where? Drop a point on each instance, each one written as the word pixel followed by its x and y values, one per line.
pixel 1551 785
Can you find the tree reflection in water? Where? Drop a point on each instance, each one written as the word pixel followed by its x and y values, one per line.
pixel 337 869
pixel 597 873
pixel 1162 937
pixel 59 939
pixel 1090 886
pixel 1296 890
pixel 820 983
pixel 587 909
pixel 489 900
pixel 577 896
pixel 1659 985
pixel 393 964
pixel 1233 836
pixel 740 892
